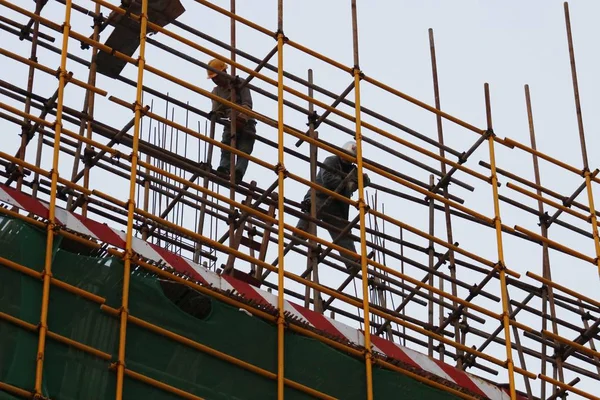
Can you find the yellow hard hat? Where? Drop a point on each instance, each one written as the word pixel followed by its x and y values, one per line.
pixel 216 64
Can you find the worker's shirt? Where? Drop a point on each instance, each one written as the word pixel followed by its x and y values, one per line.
pixel 331 178
pixel 242 97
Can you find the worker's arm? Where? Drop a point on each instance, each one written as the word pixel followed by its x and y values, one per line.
pixel 217 107
pixel 352 184
pixel 246 97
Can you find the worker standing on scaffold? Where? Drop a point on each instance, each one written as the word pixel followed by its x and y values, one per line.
pixel 339 176
pixel 245 125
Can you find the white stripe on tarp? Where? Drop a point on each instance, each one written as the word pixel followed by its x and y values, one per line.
pixel 210 277
pixel 491 391
pixel 287 307
pixel 144 249
pixel 269 297
pixel 361 342
pixel 427 364
pixel 8 199
pixel 349 333
pixel 72 222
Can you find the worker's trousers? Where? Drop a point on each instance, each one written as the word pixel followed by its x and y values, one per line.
pixel 344 241
pixel 245 139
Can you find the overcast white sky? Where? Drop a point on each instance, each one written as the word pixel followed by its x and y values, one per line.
pixel 507 44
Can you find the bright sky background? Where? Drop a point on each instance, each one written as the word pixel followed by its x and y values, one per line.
pixel 507 44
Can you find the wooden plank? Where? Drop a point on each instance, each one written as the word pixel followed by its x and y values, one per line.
pixel 125 38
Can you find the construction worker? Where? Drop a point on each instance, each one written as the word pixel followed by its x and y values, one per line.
pixel 245 125
pixel 341 177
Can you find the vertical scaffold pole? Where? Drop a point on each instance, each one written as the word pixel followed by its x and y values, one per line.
pixel 501 266
pixel 547 291
pixel 90 108
pixel 586 168
pixel 47 274
pixel 445 193
pixel 234 132
pixel 280 204
pixel 361 208
pixel 312 263
pixel 124 311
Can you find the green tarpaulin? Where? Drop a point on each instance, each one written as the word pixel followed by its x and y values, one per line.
pixel 73 374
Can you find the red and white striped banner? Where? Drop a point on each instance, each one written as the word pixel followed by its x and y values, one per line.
pixel 106 234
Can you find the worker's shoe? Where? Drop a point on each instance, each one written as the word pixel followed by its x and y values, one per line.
pixel 238 177
pixel 222 172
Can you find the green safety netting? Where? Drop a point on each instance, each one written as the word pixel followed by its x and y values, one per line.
pixel 73 374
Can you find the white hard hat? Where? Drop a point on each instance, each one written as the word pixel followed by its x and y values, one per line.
pixel 350 147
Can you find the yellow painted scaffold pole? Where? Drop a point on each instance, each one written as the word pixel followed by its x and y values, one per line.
pixel 47 274
pixel 361 209
pixel 501 266
pixel 124 311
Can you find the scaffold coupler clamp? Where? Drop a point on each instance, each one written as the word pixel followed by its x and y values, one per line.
pixel 489 132
pixel 279 167
pixel 496 219
pixel 13 171
pixel 473 289
pixel 463 158
pixel 280 32
pixel 283 320
pixel 233 217
pixel 360 203
pixel 98 20
pixel 584 172
pixel 544 218
pixel 500 266
pixel 55 227
pixel 27 131
pixel 356 69
pixel 88 155
pixel 312 117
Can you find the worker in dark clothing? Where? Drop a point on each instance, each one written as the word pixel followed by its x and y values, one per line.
pixel 333 211
pixel 245 125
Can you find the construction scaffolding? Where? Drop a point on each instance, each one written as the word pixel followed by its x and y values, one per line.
pixel 97 170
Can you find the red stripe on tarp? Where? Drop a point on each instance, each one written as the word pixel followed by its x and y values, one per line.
pixel 246 290
pixel 318 321
pixel 32 205
pixel 393 351
pixel 460 377
pixel 102 231
pixel 177 262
